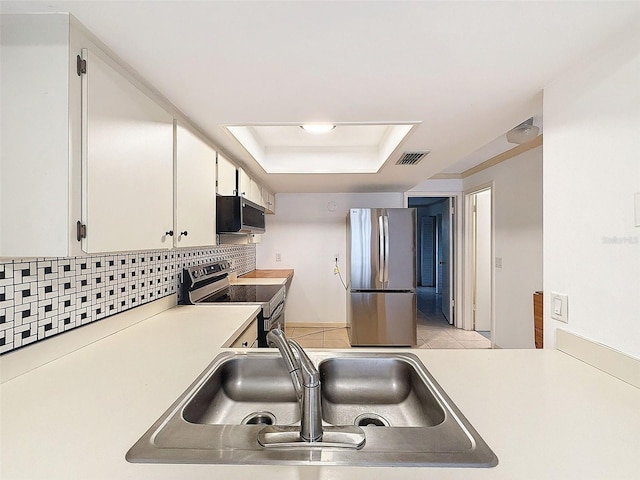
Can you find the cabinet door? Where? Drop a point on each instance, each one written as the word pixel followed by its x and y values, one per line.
pixel 39 195
pixel 127 163
pixel 248 338
pixel 256 193
pixel 248 187
pixel 268 201
pixel 195 190
pixel 226 177
pixel 244 184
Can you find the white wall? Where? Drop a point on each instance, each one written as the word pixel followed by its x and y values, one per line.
pixel 435 186
pixel 517 216
pixel 307 235
pixel 591 172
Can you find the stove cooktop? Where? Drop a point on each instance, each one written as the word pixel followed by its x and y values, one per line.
pixel 244 294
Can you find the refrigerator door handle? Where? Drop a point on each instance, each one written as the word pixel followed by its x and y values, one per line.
pixel 386 248
pixel 381 249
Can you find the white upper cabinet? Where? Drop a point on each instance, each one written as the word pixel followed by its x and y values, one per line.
pixel 87 157
pixel 226 177
pixel 268 201
pixel 248 187
pixel 195 190
pixel 127 163
pixel 40 147
pixel 244 184
pixel 256 192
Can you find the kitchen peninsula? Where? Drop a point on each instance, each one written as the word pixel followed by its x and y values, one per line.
pixel 544 413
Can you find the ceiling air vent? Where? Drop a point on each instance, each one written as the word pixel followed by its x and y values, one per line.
pixel 411 158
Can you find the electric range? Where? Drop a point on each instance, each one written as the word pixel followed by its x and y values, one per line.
pixel 209 283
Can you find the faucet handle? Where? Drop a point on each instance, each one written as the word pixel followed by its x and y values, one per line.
pixel 311 375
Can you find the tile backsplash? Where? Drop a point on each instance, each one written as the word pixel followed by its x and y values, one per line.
pixel 42 297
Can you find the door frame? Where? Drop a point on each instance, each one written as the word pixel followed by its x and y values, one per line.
pixel 468 322
pixel 456 270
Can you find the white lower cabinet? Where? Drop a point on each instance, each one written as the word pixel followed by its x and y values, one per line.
pixel 195 190
pixel 248 338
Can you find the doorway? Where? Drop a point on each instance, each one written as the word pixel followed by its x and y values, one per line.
pixel 435 257
pixel 479 255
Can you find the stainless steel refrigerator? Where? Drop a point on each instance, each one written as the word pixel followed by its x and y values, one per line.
pixel 381 298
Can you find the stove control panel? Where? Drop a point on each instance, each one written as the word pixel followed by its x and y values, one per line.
pixel 211 270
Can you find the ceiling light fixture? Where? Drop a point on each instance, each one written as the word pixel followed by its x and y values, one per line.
pixel 317 128
pixel 523 133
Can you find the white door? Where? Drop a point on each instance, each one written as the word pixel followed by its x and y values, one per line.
pixel 195 190
pixel 127 163
pixel 482 262
pixel 446 260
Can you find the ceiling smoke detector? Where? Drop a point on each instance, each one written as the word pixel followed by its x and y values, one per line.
pixel 523 133
pixel 411 158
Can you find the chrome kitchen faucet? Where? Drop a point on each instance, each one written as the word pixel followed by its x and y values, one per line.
pixel 306 382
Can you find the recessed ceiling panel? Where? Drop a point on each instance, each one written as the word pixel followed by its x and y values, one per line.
pixel 348 148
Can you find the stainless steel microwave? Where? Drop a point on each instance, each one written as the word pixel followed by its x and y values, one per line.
pixel 236 214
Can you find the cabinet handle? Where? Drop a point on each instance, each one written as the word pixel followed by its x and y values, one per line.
pixel 184 234
pixel 170 233
pixel 245 344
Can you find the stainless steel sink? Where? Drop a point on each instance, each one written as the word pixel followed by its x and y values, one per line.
pixel 245 391
pixel 407 418
pixel 377 391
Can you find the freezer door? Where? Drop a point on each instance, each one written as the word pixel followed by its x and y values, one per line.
pixel 383 319
pixel 400 256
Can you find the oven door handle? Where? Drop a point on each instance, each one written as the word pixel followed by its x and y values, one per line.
pixel 268 322
pixel 278 311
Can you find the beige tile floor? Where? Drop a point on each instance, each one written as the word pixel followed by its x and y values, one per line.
pixel 313 337
pixel 430 335
pixel 446 336
pixel 433 330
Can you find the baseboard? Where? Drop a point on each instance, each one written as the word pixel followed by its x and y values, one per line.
pixel 315 325
pixel 30 357
pixel 600 356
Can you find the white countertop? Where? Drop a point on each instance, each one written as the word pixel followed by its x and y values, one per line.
pixel 545 414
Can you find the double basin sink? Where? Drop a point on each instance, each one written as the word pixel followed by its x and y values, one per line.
pixel 406 417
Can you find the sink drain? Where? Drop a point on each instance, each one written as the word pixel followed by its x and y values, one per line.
pixel 371 420
pixel 259 418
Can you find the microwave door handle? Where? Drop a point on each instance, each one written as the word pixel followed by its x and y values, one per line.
pixel 381 243
pixel 386 248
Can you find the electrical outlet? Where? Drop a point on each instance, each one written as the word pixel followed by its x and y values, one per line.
pixel 278 257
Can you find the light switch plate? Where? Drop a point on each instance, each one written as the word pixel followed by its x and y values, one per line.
pixel 559 307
